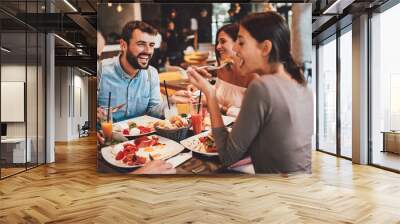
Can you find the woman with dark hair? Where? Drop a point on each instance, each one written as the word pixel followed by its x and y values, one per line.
pixel 230 85
pixel 275 123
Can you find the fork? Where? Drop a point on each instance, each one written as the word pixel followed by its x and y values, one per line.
pixel 214 68
pixel 116 108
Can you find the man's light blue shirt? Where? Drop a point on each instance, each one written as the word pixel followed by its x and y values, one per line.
pixel 141 94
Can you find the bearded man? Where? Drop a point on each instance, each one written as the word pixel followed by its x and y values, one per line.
pixel 131 80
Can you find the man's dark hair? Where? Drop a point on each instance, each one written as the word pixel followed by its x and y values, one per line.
pixel 132 25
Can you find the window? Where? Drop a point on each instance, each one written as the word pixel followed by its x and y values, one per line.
pixel 22 74
pixel 327 96
pixel 385 88
pixel 346 94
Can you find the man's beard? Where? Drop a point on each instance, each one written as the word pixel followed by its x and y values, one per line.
pixel 133 60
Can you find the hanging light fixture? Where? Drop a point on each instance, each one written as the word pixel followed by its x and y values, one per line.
pixel 70 5
pixel 119 8
pixel 65 41
pixel 109 4
pixel 84 71
pixel 5 49
pixel 337 7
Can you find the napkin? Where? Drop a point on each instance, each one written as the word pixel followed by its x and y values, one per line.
pixel 179 159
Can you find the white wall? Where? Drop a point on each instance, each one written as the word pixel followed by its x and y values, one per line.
pixel 34 125
pixel 81 89
pixel 61 105
pixel 12 73
pixel 71 94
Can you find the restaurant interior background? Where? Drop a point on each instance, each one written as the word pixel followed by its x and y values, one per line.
pixel 39 108
pixel 48 152
pixel 22 76
pixel 188 34
pixel 39 53
pixel 377 107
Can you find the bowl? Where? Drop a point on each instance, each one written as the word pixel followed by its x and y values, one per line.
pixel 174 134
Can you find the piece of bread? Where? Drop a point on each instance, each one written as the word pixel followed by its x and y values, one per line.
pixel 227 61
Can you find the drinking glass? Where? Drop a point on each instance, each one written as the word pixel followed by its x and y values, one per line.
pixel 196 113
pixel 106 123
pixel 170 112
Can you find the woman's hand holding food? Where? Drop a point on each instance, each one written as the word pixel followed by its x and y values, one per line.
pixel 196 94
pixel 198 77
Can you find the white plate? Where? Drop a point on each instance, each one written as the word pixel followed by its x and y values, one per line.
pixel 226 119
pixel 193 143
pixel 140 121
pixel 170 149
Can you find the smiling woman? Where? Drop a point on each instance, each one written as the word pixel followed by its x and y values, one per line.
pixel 277 108
pixel 231 84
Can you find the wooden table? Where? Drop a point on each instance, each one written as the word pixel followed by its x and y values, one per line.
pixel 195 59
pixel 169 76
pixel 200 164
pixel 199 58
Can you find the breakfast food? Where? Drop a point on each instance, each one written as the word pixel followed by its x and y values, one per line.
pixel 174 122
pixel 128 155
pixel 208 143
pixel 146 141
pixel 132 129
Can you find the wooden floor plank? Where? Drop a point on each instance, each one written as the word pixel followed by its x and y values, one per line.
pixel 71 191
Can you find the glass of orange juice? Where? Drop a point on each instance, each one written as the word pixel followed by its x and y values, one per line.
pixel 106 124
pixel 196 113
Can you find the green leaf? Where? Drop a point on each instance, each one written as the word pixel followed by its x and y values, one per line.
pixel 132 125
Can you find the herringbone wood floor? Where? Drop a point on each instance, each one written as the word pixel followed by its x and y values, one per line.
pixel 70 191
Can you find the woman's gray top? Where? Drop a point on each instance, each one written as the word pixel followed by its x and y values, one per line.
pixel 274 127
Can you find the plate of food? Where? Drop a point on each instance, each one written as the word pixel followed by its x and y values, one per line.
pixel 134 127
pixel 173 122
pixel 175 127
pixel 202 143
pixel 136 153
